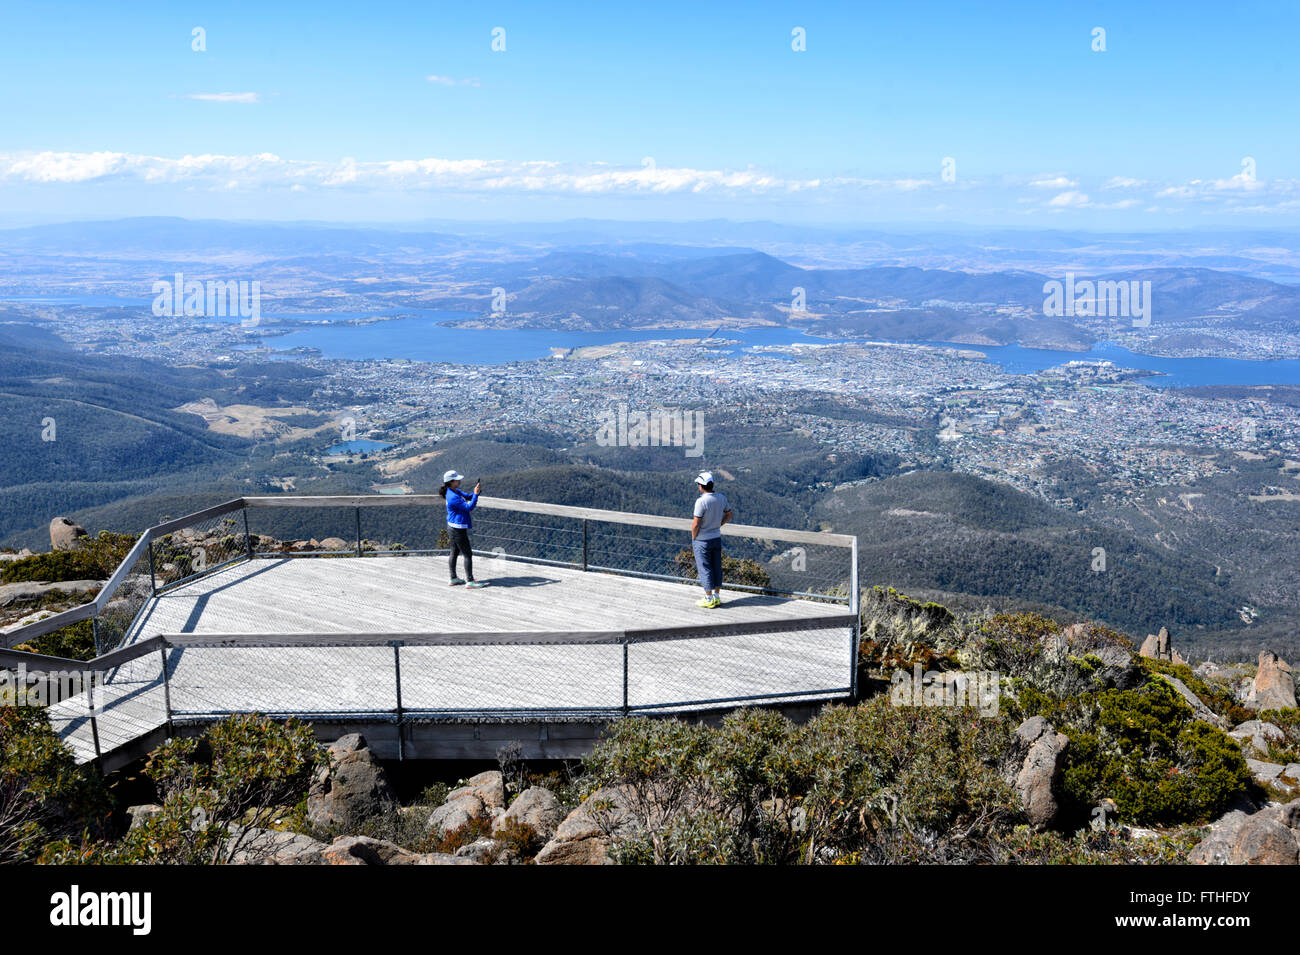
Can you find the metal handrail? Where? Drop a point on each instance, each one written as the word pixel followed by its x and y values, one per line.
pixel 143 544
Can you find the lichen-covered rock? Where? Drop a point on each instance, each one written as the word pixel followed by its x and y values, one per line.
pixel 1274 684
pixel 1256 735
pixel 1216 847
pixel 1264 840
pixel 350 787
pixel 490 787
pixel 584 837
pixel 484 851
pixel 363 850
pixel 1267 837
pixel 254 846
pixel 64 533
pixel 456 813
pixel 536 807
pixel 1199 709
pixel 1039 774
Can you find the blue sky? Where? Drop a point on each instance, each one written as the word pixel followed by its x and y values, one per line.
pixel 395 111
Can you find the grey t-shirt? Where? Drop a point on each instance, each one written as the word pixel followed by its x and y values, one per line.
pixel 709 508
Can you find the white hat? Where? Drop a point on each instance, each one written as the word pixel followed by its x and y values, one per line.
pixel 452 476
pixel 704 477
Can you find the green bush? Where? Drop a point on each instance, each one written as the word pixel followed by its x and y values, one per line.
pixel 93 558
pixel 75 642
pixel 44 794
pixel 735 570
pixel 1218 698
pixel 240 776
pixel 1287 750
pixel 1143 749
pixel 888 783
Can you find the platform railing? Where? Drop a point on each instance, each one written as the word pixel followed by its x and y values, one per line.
pixel 777 561
pixel 196 678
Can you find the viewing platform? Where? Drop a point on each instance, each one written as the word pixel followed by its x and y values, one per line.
pixel 586 617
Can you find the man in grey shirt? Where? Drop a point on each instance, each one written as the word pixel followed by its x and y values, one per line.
pixel 711 512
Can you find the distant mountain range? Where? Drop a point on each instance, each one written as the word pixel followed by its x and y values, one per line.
pixel 592 276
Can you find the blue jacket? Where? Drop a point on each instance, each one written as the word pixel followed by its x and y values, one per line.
pixel 458 507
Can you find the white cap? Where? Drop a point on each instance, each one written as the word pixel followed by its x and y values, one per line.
pixel 704 477
pixel 452 476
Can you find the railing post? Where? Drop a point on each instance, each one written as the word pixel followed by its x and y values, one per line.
pixel 397 679
pixel 94 632
pixel 855 638
pixel 167 686
pixel 358 510
pixel 153 580
pixel 584 543
pixel 90 704
pixel 625 687
pixel 248 538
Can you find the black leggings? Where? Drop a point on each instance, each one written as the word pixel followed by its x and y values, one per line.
pixel 459 540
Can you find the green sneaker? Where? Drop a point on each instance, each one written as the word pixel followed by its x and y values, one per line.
pixel 716 601
pixel 704 602
pixel 475 584
pixel 456 581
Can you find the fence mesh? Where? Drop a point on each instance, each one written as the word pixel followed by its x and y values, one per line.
pixel 214 681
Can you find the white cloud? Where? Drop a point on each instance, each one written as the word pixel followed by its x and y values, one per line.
pixel 223 97
pixel 1073 199
pixel 481 176
pixel 1123 182
pixel 508 179
pixel 1053 182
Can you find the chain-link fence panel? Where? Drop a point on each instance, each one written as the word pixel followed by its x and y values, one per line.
pixel 512 680
pixel 331 680
pixel 736 669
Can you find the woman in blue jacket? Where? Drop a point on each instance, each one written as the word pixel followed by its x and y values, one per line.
pixel 458 524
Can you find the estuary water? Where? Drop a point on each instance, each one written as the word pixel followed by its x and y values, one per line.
pixel 428 335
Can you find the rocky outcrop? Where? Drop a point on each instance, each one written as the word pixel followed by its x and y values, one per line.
pixel 584 837
pixel 484 851
pixel 1268 837
pixel 483 797
pixel 270 847
pixel 254 846
pixel 536 807
pixel 1274 684
pixel 363 850
pixel 1254 736
pixel 1285 778
pixel 489 787
pixel 351 787
pixel 1199 709
pixel 1037 780
pixel 26 592
pixel 65 533
pixel 457 813
pixel 1159 646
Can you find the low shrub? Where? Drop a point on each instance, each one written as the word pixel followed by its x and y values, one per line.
pixel 44 794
